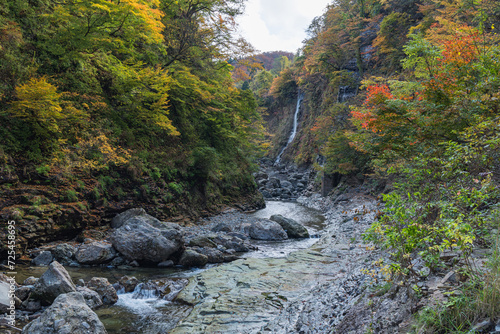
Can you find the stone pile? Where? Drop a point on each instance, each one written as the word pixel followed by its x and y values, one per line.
pixel 282 183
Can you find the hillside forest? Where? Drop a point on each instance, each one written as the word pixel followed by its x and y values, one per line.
pixel 108 104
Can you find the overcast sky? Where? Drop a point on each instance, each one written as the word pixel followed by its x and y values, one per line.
pixel 274 25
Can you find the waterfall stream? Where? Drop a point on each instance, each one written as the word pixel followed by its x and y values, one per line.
pixel 300 97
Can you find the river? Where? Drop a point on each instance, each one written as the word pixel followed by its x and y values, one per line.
pixel 254 281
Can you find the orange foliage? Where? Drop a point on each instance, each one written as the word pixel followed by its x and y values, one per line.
pixel 461 50
pixel 454 65
pixel 377 95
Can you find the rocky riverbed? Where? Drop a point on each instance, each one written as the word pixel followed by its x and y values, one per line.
pixel 307 287
pixel 287 295
pixel 137 239
pixel 231 273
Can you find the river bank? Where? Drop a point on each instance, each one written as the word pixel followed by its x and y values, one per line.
pixel 331 282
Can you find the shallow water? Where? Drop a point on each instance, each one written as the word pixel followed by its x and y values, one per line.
pixel 149 314
pixel 139 312
pixel 313 220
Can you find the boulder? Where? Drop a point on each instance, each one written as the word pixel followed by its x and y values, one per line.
pixel 5 297
pixel 30 280
pixel 266 194
pixel 52 283
pixel 166 264
pixel 128 283
pixel 205 240
pixel 118 261
pixel 261 183
pixel 273 183
pixel 234 242
pixel 92 298
pixel 291 227
pixel 69 314
pixel 32 305
pixel 191 258
pixel 145 238
pixel 215 255
pixel 261 176
pixel 286 184
pixel 300 186
pixel 222 227
pixel 43 259
pixel 276 192
pixel 23 292
pixel 96 252
pixel 264 229
pixel 121 218
pixel 163 288
pixel 104 289
pixel 64 253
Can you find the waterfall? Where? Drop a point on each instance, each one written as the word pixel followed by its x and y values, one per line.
pixel 300 97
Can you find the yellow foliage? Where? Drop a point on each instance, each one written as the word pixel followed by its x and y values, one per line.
pixel 38 103
pixel 92 153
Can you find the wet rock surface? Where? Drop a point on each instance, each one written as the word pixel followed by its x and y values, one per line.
pixel 104 289
pixel 285 295
pixel 68 314
pixel 52 283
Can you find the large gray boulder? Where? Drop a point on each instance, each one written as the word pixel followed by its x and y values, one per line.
pixel 104 289
pixel 291 227
pixel 64 253
pixel 264 229
pixel 191 258
pixel 69 314
pixel 43 259
pixel 121 218
pixel 145 238
pixel 52 283
pixel 96 252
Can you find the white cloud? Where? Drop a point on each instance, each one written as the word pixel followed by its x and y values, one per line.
pixel 271 25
